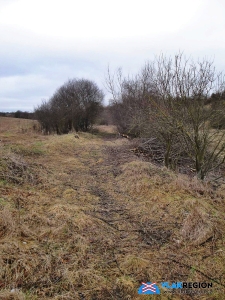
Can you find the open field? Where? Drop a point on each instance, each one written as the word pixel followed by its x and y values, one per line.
pixel 87 219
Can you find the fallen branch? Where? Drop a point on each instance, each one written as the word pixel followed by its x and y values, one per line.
pixel 199 271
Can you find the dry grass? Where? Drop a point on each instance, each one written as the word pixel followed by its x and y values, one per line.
pixel 197 227
pixel 12 126
pixel 86 219
pixel 106 128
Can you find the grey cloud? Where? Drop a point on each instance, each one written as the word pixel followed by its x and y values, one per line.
pixel 32 67
pixel 13 104
pixel 24 91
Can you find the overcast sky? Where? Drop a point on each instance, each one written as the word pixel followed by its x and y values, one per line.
pixel 43 43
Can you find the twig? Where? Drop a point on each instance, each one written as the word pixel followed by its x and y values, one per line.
pixel 105 221
pixel 200 272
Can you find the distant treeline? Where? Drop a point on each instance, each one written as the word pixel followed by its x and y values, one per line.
pixel 18 114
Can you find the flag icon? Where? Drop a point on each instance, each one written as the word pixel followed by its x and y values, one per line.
pixel 148 288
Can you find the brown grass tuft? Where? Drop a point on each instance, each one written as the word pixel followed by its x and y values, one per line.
pixel 197 226
pixel 7 222
pixel 192 185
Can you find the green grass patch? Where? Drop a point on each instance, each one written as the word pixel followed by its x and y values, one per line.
pixel 35 149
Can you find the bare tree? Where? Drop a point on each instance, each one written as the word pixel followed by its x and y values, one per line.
pixel 168 100
pixel 43 114
pixel 129 106
pixel 182 88
pixel 74 105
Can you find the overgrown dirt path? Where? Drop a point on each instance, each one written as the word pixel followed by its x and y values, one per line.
pixel 90 220
pixel 134 230
pixel 108 228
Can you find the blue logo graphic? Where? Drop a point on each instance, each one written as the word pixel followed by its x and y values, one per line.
pixel 148 288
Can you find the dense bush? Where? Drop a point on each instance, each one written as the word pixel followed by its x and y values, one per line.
pixel 75 105
pixel 176 100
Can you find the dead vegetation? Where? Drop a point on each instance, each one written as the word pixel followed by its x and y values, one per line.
pixel 197 227
pixel 98 221
pixel 14 169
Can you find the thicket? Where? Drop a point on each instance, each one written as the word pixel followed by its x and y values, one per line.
pixel 75 105
pixel 180 102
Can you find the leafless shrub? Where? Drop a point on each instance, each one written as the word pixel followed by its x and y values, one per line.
pixel 179 114
pixel 129 106
pixel 168 100
pixel 75 105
